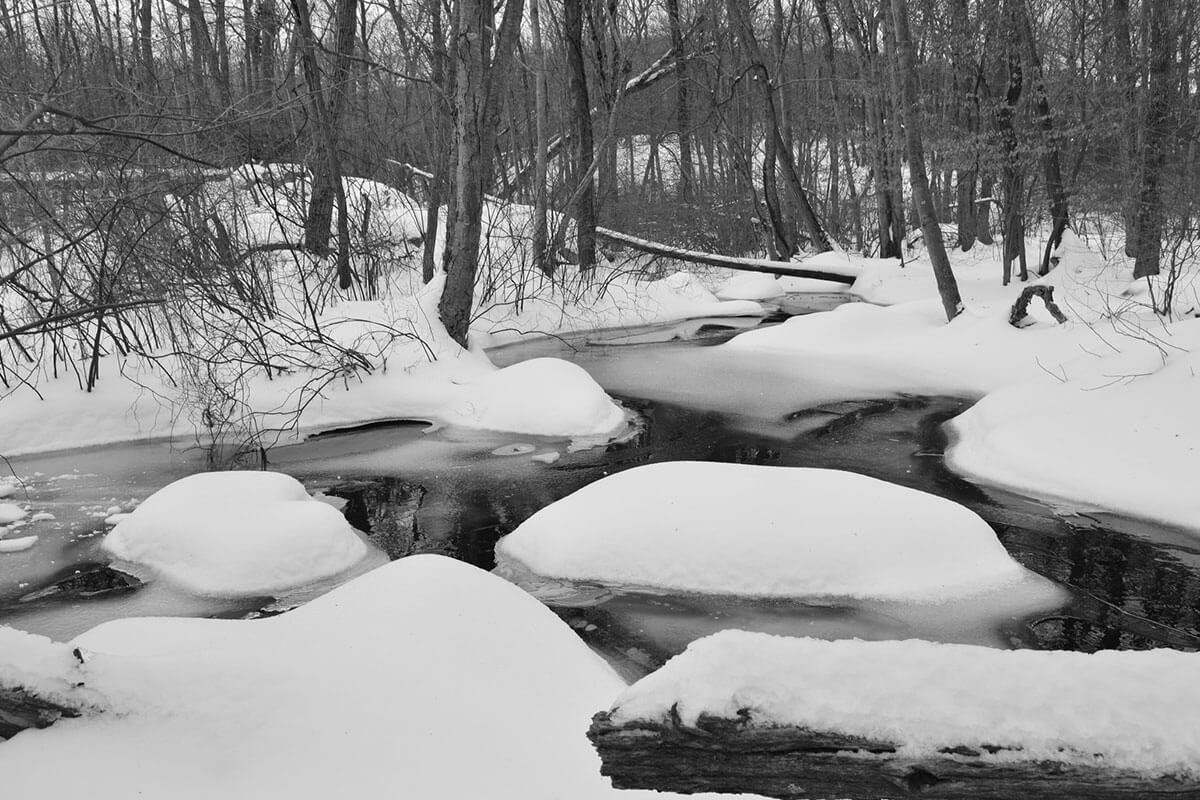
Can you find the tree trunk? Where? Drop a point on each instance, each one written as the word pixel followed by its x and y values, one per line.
pixel 1012 174
pixel 1056 192
pixel 1159 87
pixel 906 67
pixel 682 116
pixel 757 72
pixel 541 255
pixel 581 129
pixel 722 755
pixel 480 77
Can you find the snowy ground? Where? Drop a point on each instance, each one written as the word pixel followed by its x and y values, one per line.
pixel 426 678
pixel 413 369
pixel 1097 413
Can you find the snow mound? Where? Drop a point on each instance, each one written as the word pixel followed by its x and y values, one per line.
pixel 237 534
pixel 762 531
pixel 8 488
pixel 17 545
pixel 544 396
pixel 10 513
pixel 750 286
pixel 1122 709
pixel 381 685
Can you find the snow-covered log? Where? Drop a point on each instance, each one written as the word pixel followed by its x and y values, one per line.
pixel 40 682
pixel 729 262
pixel 794 717
pixel 722 755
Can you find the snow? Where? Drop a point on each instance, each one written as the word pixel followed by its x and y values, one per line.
pixel 546 396
pixel 42 666
pixel 1119 441
pixel 236 534
pixel 762 531
pixel 424 678
pixel 1095 413
pixel 1127 709
pixel 750 286
pixel 383 358
pixel 18 544
pixel 10 513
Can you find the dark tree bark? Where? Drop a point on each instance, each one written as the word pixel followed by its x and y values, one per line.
pixel 794 763
pixel 682 114
pixel 1159 88
pixel 966 75
pixel 1012 173
pixel 760 75
pixel 327 188
pixel 481 73
pixel 541 199
pixel 906 67
pixel 581 132
pixel 1056 192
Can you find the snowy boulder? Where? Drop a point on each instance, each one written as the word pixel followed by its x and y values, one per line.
pixel 1132 710
pixel 542 396
pixel 237 534
pixel 10 513
pixel 750 286
pixel 761 531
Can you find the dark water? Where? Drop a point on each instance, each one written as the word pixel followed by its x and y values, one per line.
pixel 1129 584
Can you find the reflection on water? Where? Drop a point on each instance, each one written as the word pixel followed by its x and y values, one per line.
pixel 1127 588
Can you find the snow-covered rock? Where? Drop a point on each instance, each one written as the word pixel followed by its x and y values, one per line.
pixel 1138 709
pixel 546 396
pixel 762 531
pixel 17 544
pixel 384 685
pixel 237 534
pixel 10 513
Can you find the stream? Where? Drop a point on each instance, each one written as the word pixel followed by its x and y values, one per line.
pixel 1111 582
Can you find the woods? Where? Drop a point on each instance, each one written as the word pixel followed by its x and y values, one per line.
pixel 735 128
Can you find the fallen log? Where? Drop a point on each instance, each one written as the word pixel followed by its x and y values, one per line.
pixel 40 682
pixel 729 262
pixel 795 718
pixel 729 756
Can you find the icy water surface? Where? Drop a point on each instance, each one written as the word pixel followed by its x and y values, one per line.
pixel 1116 583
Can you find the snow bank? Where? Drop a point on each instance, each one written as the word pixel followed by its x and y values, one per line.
pixel 1134 710
pixel 237 534
pixel 42 666
pixel 750 286
pixel 762 531
pixel 545 396
pixel 425 678
pixel 1125 438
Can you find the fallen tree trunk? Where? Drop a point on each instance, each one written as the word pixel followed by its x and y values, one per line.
pixel 721 755
pixel 729 262
pixel 40 682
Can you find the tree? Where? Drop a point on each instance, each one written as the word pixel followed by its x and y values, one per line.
pixel 905 65
pixel 481 74
pixel 584 209
pixel 1147 232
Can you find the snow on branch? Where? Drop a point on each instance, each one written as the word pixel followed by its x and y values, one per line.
pixel 729 262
